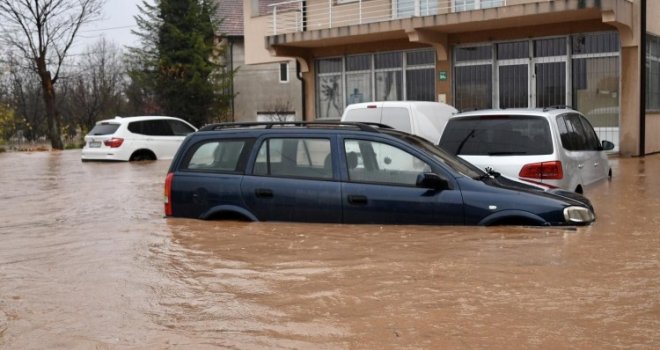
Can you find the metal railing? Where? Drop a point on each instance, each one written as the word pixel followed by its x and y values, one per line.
pixel 302 15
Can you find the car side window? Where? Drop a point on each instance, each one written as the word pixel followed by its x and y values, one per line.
pixel 159 128
pixel 219 156
pixel 295 157
pixel 151 128
pixel 593 144
pixel 179 128
pixel 572 133
pixel 376 162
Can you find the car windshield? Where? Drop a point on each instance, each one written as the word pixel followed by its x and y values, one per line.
pixel 457 164
pixel 497 135
pixel 104 129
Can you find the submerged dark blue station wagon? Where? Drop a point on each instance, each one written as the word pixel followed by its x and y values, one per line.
pixel 348 173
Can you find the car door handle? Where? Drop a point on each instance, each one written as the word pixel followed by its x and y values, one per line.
pixel 357 199
pixel 263 193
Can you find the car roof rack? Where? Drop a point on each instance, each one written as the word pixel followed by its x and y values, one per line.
pixel 363 126
pixel 557 107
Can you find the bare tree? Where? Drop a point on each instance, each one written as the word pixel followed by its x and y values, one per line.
pixel 279 110
pixel 94 90
pixel 42 31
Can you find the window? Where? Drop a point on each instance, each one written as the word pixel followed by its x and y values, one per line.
pixel 179 128
pixel 219 156
pixel 420 76
pixel 385 76
pixel 571 132
pixel 284 72
pixel 389 76
pixel 580 70
pixel 330 102
pixel 652 72
pixel 294 157
pixel 593 144
pixel 495 135
pixel 473 87
pixel 464 5
pixel 151 128
pixel 104 129
pixel 375 162
pixel 358 79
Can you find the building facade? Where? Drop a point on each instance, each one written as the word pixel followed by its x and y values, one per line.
pixel 587 54
pixel 269 91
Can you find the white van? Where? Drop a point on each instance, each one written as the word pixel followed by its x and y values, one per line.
pixel 421 118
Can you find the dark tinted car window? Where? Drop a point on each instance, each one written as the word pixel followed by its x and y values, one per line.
pixel 497 135
pixel 226 155
pixel 179 128
pixel 572 134
pixel 104 129
pixel 151 127
pixel 593 144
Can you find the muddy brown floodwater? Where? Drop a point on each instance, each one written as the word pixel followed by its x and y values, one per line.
pixel 88 262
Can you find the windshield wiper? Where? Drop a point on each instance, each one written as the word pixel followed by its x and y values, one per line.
pixel 460 146
pixel 489 174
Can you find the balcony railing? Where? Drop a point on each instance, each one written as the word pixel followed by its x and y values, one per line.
pixel 302 15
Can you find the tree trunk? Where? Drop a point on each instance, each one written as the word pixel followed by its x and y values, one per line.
pixel 52 115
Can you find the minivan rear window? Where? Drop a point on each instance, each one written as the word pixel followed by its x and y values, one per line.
pixel 497 135
pixel 104 129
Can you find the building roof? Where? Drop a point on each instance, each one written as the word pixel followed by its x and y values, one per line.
pixel 231 14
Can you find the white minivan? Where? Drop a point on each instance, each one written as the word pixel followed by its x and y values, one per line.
pixel 556 147
pixel 422 118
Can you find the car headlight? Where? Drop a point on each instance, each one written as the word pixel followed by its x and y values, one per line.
pixel 578 215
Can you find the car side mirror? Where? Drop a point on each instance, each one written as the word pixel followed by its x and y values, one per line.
pixel 607 146
pixel 432 180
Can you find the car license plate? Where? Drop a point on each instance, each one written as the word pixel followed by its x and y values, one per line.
pixel 94 144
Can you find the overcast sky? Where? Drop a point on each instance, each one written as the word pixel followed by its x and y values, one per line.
pixel 115 24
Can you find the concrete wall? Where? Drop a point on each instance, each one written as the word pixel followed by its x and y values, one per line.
pixel 258 88
pixel 652 11
pixel 255 29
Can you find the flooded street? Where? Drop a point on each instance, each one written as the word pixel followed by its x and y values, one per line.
pixel 87 261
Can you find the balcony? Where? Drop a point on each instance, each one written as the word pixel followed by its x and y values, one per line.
pixel 303 15
pixel 297 26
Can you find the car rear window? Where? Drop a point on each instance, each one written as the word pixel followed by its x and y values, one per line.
pixel 497 135
pixel 104 129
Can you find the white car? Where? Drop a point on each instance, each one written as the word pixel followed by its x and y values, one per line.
pixel 422 118
pixel 135 138
pixel 556 147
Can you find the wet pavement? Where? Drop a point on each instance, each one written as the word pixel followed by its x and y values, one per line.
pixel 88 262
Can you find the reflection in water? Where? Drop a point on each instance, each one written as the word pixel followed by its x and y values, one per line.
pixel 87 261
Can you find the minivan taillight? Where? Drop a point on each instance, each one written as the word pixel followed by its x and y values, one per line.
pixel 168 194
pixel 114 142
pixel 543 171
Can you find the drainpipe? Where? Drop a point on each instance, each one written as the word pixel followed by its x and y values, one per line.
pixel 302 84
pixel 642 82
pixel 231 69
